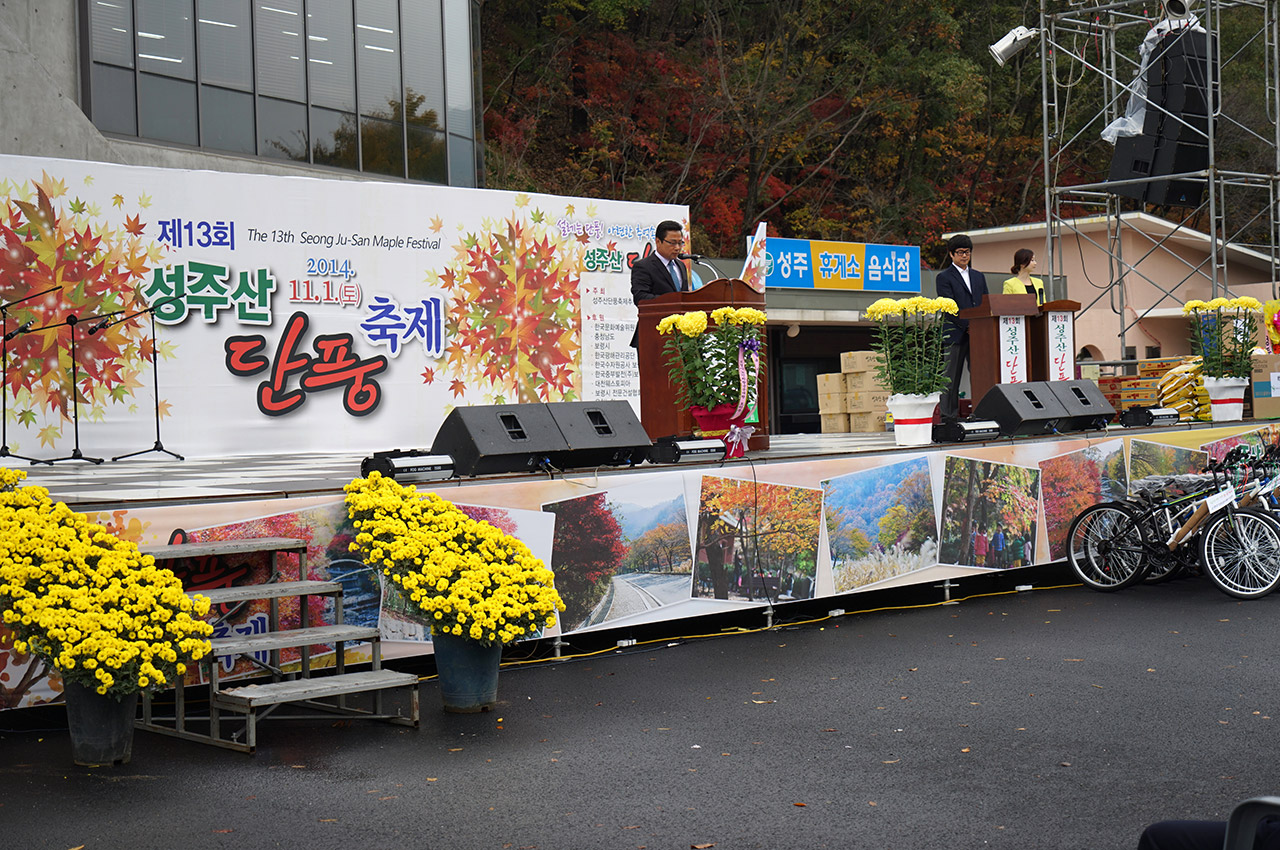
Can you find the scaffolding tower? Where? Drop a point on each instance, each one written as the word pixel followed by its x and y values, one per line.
pixel 1090 69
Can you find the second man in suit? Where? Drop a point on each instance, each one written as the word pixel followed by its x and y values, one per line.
pixel 966 286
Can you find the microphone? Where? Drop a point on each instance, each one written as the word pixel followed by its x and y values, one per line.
pixel 93 329
pixel 694 257
pixel 18 331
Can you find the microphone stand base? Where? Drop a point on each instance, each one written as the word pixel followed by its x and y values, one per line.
pixel 76 454
pixel 4 452
pixel 158 447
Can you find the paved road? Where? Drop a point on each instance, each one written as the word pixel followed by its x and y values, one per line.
pixel 1058 719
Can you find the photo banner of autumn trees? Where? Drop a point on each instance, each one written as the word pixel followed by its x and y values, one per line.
pixel 646 546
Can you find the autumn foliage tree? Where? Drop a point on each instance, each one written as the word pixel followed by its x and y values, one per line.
pixel 876 121
pixel 662 548
pixel 1072 483
pixel 586 553
pixel 774 527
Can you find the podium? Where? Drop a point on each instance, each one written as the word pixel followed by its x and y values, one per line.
pixel 1052 338
pixel 998 351
pixel 660 415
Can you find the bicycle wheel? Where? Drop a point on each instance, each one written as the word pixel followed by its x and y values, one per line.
pixel 1107 546
pixel 1241 552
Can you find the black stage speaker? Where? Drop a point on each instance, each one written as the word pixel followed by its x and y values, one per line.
pixel 1087 408
pixel 1022 409
pixel 599 433
pixel 492 438
pixel 1174 136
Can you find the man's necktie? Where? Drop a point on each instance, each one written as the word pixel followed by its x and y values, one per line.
pixel 675 275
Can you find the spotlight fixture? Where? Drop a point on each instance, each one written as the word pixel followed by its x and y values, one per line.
pixel 1149 417
pixel 1013 43
pixel 672 450
pixel 409 465
pixel 1177 10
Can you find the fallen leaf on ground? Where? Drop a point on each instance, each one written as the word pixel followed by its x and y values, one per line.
pixel 801 805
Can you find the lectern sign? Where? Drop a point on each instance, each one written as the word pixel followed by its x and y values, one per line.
pixel 1013 350
pixel 1062 362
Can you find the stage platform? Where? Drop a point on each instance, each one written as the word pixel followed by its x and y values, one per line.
pixel 157 479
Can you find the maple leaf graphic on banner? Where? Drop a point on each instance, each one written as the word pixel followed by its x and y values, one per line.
pixel 515 327
pixel 97 265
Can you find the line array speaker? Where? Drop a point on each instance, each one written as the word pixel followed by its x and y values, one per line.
pixel 1174 137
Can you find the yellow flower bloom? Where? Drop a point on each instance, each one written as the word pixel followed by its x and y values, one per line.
pixel 1192 306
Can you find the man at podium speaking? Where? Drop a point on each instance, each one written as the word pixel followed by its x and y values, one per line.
pixel 662 271
pixel 966 287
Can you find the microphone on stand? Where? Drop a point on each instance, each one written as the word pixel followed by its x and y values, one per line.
pixel 93 329
pixel 19 331
pixel 697 258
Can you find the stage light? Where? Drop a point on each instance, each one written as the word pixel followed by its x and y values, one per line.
pixel 793 331
pixel 1012 44
pixel 963 432
pixel 411 465
pixel 1177 10
pixel 672 450
pixel 1149 417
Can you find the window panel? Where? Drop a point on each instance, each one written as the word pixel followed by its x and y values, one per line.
pixel 282 129
pixel 378 57
pixel 462 162
pixel 330 60
pixel 280 50
pixel 226 43
pixel 111 30
pixel 457 72
pixel 167 109
pixel 423 43
pixel 427 160
pixel 227 120
pixel 382 146
pixel 166 38
pixel 333 139
pixel 115 110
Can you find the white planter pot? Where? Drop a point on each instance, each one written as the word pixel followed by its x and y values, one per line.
pixel 913 417
pixel 1226 398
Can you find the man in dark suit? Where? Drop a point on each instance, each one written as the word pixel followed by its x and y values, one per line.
pixel 660 272
pixel 965 286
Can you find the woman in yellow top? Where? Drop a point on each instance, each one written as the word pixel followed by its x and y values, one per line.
pixel 1022 283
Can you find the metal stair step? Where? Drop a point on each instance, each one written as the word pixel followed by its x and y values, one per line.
pixel 169 551
pixel 274 590
pixel 253 696
pixel 241 644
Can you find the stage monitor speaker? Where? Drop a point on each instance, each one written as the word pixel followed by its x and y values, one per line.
pixel 1087 408
pixel 599 433
pixel 494 438
pixel 1022 409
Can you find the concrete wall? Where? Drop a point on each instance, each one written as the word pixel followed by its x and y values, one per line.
pixel 40 112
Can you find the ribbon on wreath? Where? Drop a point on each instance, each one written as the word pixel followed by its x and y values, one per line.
pixel 736 439
pixel 752 345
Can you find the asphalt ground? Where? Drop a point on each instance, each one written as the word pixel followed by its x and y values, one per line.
pixel 1050 718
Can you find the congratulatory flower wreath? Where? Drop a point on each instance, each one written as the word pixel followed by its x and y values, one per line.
pixel 469 578
pixel 911 336
pixel 90 605
pixel 1223 333
pixel 714 365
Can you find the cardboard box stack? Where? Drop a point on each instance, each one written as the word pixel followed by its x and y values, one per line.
pixel 1265 383
pixel 853 398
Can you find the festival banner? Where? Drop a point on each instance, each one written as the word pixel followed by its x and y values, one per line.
pixel 299 314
